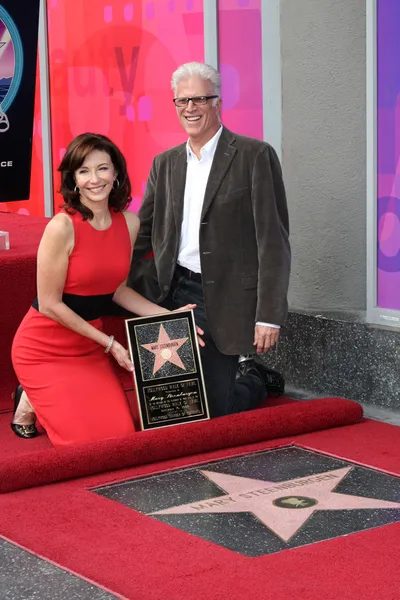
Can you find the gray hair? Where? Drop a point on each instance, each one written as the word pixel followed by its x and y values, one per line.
pixel 197 69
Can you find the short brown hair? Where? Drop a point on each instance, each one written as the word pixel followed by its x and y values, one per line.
pixel 77 151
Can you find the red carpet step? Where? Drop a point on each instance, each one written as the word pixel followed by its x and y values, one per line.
pixel 18 288
pixel 51 465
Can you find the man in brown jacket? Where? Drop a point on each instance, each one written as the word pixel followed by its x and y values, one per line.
pixel 215 216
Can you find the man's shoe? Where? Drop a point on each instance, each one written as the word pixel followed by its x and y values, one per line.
pixel 245 363
pixel 273 381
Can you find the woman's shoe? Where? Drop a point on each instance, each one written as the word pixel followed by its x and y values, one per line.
pixel 23 431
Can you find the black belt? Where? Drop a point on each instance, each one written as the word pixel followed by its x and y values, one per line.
pixel 183 271
pixel 87 307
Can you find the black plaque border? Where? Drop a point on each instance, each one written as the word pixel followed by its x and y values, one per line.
pixel 140 383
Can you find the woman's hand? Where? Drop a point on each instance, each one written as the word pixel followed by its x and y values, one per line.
pixel 199 331
pixel 121 355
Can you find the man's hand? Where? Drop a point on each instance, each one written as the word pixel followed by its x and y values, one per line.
pixel 265 338
pixel 200 332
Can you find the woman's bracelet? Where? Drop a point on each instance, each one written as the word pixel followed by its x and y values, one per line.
pixel 110 343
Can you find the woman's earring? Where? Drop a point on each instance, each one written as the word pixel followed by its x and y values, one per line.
pixel 117 182
pixel 76 189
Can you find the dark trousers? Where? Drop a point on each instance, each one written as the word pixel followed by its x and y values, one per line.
pixel 226 394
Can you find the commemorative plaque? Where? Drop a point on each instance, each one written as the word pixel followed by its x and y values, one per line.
pixel 168 374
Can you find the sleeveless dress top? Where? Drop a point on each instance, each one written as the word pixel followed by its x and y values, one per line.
pixel 70 382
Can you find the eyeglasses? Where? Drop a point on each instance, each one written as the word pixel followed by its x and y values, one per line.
pixel 197 100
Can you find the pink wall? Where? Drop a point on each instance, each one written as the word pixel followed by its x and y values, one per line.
pixel 110 67
pixel 241 65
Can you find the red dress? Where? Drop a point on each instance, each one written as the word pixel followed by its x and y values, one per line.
pixel 69 379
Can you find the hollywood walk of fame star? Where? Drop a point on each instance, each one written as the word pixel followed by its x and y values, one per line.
pixel 165 350
pixel 282 506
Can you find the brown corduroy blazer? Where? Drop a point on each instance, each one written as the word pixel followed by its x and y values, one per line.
pixel 244 237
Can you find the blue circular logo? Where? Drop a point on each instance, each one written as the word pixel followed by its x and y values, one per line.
pixel 11 35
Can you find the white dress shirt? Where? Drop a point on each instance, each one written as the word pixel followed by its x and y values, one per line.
pixel 197 174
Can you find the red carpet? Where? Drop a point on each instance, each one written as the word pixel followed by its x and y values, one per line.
pixel 18 288
pixel 11 445
pixel 140 558
pixel 143 559
pixel 50 465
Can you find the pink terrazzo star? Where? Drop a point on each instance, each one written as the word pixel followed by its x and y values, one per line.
pixel 284 506
pixel 165 350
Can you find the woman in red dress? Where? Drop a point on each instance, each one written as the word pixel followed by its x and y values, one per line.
pixel 60 352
